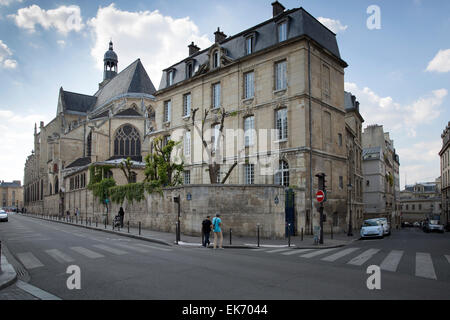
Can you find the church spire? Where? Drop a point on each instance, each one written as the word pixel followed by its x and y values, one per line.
pixel 110 62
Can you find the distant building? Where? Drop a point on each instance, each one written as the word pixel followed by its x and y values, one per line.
pixel 420 201
pixel 11 194
pixel 445 174
pixel 381 166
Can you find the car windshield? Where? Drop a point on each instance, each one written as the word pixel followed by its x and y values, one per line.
pixel 434 221
pixel 370 223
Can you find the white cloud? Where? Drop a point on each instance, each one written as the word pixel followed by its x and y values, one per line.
pixel 61 43
pixel 159 41
pixel 395 116
pixel 64 18
pixel 334 25
pixel 5 57
pixel 16 134
pixel 8 2
pixel 441 62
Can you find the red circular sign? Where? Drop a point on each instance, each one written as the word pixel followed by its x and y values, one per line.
pixel 320 196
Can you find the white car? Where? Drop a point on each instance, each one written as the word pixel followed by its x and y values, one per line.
pixel 372 229
pixel 386 226
pixel 3 215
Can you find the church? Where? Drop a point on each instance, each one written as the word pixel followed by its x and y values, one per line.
pixel 272 94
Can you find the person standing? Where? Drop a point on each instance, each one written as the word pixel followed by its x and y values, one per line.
pixel 121 215
pixel 77 213
pixel 217 228
pixel 206 229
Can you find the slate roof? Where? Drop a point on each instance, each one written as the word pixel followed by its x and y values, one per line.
pixel 119 159
pixel 77 102
pixel 132 79
pixel 102 115
pixel 129 112
pixel 372 153
pixel 9 185
pixel 301 23
pixel 80 162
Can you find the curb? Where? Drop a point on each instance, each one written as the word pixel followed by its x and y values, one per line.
pixel 7 273
pixel 129 235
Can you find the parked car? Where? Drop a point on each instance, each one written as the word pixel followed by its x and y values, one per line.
pixel 433 225
pixel 3 215
pixel 386 226
pixel 372 228
pixel 416 224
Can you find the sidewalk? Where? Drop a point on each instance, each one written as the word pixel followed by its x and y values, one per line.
pixel 166 238
pixel 7 273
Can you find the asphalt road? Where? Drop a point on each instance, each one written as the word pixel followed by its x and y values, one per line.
pixel 415 265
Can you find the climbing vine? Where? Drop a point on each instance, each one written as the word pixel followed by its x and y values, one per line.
pixel 100 190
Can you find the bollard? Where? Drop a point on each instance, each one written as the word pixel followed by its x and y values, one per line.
pixel 113 225
pixel 139 228
pixel 258 234
pixel 128 226
pixel 76 220
pixel 231 231
pixel 289 235
pixel 96 222
pixel 203 238
pixel 331 231
pixel 105 222
pixel 302 234
pixel 176 232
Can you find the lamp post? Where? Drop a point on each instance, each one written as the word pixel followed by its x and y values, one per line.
pixel 350 231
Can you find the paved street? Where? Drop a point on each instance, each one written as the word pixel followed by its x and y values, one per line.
pixel 415 265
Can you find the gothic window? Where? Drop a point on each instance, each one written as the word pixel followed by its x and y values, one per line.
pixel 56 185
pixel 89 145
pixel 127 142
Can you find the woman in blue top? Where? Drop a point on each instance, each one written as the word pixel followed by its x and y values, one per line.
pixel 217 228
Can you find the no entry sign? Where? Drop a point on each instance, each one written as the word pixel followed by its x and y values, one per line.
pixel 320 196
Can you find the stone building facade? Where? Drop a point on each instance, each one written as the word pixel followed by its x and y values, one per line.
pixel 445 175
pixel 11 195
pixel 421 201
pixel 381 173
pixel 280 87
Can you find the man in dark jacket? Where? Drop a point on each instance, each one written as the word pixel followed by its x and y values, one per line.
pixel 121 215
pixel 206 229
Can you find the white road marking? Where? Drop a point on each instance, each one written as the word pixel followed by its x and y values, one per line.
pixel 109 249
pixel 424 266
pixel 390 263
pixel 316 253
pixel 295 251
pixel 260 249
pixel 87 253
pixel 35 291
pixel 339 254
pixel 363 257
pixel 59 256
pixel 140 250
pixel 278 250
pixel 152 247
pixel 29 260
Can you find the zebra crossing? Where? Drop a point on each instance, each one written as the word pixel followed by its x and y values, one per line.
pixel 356 256
pixel 32 260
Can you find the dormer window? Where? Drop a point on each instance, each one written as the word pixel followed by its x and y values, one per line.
pixel 249 44
pixel 282 31
pixel 189 69
pixel 170 77
pixel 216 59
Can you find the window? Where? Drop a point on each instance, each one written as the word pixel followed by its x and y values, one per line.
pixel 249 42
pixel 281 123
pixel 341 182
pixel 216 59
pixel 249 128
pixel 187 177
pixel 249 173
pixel 280 76
pixel 133 177
pixel 89 145
pixel 282 175
pixel 187 105
pixel 170 75
pixel 189 70
pixel 127 142
pixel 249 85
pixel 407 207
pixel 326 80
pixel 166 140
pixel 167 107
pixel 215 136
pixel 420 207
pixel 413 207
pixel 216 95
pixel 340 139
pixel 282 31
pixel 56 185
pixel 335 219
pixel 187 143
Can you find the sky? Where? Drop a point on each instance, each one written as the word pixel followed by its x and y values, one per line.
pixel 399 60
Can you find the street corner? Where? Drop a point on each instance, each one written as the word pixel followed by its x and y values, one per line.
pixel 7 273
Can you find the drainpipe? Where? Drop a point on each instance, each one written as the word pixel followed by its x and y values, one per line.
pixel 310 138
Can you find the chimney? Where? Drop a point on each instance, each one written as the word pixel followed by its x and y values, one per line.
pixel 42 124
pixel 193 48
pixel 277 8
pixel 220 36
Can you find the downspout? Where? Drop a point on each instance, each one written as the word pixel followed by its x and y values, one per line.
pixel 310 139
pixel 84 140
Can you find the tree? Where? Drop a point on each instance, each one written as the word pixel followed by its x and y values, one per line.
pixel 126 167
pixel 214 152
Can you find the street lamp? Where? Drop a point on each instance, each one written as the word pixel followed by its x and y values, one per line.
pixel 350 231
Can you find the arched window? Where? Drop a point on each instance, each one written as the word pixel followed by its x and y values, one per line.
pixel 56 185
pixel 89 145
pixel 127 142
pixel 50 190
pixel 282 175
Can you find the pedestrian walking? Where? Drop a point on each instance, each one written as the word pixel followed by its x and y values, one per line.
pixel 206 229
pixel 68 213
pixel 217 228
pixel 121 215
pixel 77 213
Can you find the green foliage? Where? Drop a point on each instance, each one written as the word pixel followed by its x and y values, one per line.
pixel 126 166
pixel 100 189
pixel 131 192
pixel 99 172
